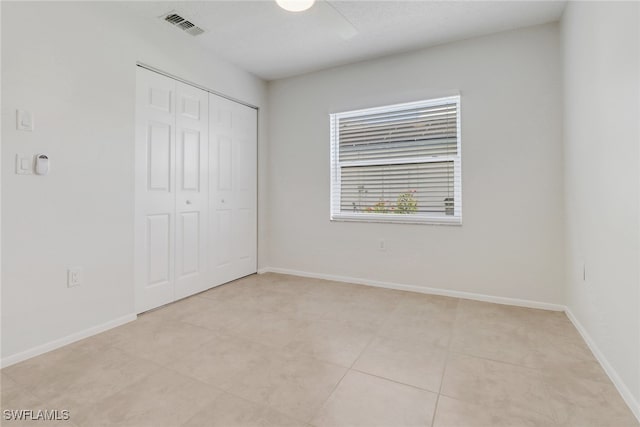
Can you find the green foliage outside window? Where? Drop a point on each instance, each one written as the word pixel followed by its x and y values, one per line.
pixel 405 204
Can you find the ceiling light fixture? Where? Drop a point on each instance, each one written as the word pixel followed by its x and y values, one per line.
pixel 295 5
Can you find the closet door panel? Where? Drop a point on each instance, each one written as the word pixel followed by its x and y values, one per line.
pixel 192 128
pixel 233 184
pixel 245 174
pixel 155 190
pixel 223 248
pixel 158 250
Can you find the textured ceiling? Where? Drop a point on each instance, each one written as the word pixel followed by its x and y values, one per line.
pixel 264 39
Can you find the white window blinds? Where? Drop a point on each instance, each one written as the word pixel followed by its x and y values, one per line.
pixel 398 163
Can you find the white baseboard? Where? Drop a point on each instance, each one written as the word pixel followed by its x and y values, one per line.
pixel 77 336
pixel 624 391
pixel 420 289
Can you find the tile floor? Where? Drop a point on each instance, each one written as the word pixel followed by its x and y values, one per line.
pixel 276 350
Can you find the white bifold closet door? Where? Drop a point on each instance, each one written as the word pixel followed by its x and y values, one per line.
pixel 233 182
pixel 172 124
pixel 196 190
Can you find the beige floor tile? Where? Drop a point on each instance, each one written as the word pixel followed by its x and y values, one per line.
pixel 369 294
pixel 231 411
pixel 212 313
pixel 288 284
pixel 158 340
pixel 554 351
pixel 332 341
pixel 221 318
pixel 356 314
pixel 294 385
pixel 307 305
pixel 405 361
pixel 519 344
pixel 249 297
pixel 228 291
pixel 222 360
pixel 470 312
pixel 258 285
pixel 359 307
pixel 40 367
pixel 434 307
pixel 368 401
pixel 417 327
pixel 16 398
pixel 86 378
pixel 559 324
pixel 483 381
pixel 583 403
pixel 497 340
pixel 424 318
pixel 335 289
pixel 180 309
pixel 456 413
pixel 269 328
pixel 579 369
pixel 13 396
pixel 162 399
pixel 273 301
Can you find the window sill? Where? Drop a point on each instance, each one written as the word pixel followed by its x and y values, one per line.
pixel 397 219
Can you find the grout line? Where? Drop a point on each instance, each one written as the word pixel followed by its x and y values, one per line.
pixel 366 347
pixel 374 336
pixel 394 381
pixel 513 364
pixel 333 390
pixel 451 352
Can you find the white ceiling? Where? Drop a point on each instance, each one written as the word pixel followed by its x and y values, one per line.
pixel 264 39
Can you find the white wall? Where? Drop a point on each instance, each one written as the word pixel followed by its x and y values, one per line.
pixel 511 242
pixel 602 96
pixel 73 65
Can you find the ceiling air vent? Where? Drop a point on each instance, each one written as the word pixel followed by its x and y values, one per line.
pixel 174 18
pixel 182 23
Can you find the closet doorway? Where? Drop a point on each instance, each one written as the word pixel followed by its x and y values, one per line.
pixel 196 190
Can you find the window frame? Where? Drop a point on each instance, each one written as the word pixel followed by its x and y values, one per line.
pixel 422 218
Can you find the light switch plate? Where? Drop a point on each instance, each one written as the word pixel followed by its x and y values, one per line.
pixel 24 120
pixel 24 164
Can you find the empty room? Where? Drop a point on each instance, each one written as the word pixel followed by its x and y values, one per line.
pixel 320 213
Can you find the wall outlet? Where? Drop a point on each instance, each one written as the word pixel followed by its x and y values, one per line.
pixel 382 245
pixel 74 277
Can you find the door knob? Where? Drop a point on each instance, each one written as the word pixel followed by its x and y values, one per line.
pixel 188 202
pixel 222 201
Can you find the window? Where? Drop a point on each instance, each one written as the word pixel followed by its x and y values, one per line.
pixel 399 163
